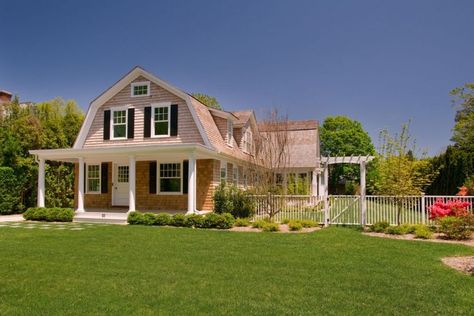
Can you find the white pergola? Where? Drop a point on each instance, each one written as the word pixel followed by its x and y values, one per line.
pixel 324 181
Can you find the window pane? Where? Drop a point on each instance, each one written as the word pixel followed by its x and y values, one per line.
pixel 119 130
pixel 93 185
pixel 140 90
pixel 161 128
pixel 170 185
pixel 122 175
pixel 120 117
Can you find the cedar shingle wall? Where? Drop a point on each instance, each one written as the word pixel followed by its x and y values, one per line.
pixel 187 129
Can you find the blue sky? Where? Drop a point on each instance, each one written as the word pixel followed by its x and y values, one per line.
pixel 380 62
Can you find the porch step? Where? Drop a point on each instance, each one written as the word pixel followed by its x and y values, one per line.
pixel 101 217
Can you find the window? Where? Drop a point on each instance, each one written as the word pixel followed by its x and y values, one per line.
pixel 245 180
pixel 140 89
pixel 235 175
pixel 119 124
pixel 93 178
pixel 230 132
pixel 160 121
pixel 122 174
pixel 170 177
pixel 247 141
pixel 223 171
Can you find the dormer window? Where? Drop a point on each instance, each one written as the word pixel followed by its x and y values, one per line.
pixel 140 89
pixel 230 132
pixel 247 141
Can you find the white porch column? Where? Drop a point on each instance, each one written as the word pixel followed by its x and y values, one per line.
pixel 314 182
pixel 80 191
pixel 192 184
pixel 41 185
pixel 326 194
pixel 131 183
pixel 363 207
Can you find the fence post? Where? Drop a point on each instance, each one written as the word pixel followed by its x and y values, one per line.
pixel 423 208
pixel 363 219
pixel 326 195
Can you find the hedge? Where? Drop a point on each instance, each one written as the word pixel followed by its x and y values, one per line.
pixel 211 220
pixel 53 214
pixel 9 192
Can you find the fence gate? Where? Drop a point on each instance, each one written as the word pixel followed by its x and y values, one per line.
pixel 344 209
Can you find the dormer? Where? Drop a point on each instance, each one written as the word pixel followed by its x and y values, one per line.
pixel 225 124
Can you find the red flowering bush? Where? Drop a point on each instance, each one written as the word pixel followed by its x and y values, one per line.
pixel 449 208
pixel 453 217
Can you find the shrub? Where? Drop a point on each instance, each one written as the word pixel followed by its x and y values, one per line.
pixel 379 227
pixel 242 222
pixel 194 220
pixel 219 221
pixel 179 220
pixel 149 219
pixel 231 199
pixel 54 214
pixel 271 227
pixel 163 219
pixel 285 221
pixel 393 230
pixel 135 218
pixel 259 223
pixel 9 192
pixel 308 223
pixel 295 225
pixel 406 229
pixel 457 227
pixel 443 208
pixel 423 232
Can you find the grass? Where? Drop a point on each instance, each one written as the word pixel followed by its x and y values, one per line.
pixel 157 270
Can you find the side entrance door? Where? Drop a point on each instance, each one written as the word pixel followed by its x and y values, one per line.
pixel 120 185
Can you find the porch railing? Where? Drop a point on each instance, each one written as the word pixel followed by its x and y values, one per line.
pixel 350 209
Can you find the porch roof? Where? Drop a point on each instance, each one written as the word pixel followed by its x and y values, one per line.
pixel 143 151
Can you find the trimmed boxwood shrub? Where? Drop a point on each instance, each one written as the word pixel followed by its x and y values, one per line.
pixel 394 230
pixel 163 219
pixel 423 232
pixel 295 225
pixel 219 221
pixel 212 220
pixel 271 227
pixel 136 218
pixel 179 220
pixel 194 220
pixel 53 214
pixel 149 218
pixel 242 222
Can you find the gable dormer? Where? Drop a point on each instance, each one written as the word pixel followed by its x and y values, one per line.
pixel 225 124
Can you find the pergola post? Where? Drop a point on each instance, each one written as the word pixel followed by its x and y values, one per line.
pixel 80 190
pixel 41 182
pixel 192 184
pixel 363 206
pixel 131 183
pixel 326 194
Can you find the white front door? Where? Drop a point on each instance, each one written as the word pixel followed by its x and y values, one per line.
pixel 120 186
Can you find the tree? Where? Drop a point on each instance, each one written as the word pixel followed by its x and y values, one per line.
pixel 463 131
pixel 270 157
pixel 400 173
pixel 207 100
pixel 342 136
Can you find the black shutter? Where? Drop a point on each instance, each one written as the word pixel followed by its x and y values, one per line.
pixel 185 175
pixel 147 123
pixel 174 120
pixel 131 123
pixel 104 177
pixel 152 177
pixel 106 124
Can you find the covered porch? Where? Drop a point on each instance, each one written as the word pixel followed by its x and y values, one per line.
pixel 119 180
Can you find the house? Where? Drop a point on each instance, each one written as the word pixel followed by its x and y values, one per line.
pixel 148 145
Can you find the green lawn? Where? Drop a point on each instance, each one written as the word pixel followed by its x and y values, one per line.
pixel 152 270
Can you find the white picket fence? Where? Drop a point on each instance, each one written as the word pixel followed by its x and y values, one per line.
pixel 350 210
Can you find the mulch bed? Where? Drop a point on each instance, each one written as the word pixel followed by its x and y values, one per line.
pixel 436 238
pixel 463 264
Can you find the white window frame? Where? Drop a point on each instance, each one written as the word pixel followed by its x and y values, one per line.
pixel 235 174
pixel 99 191
pixel 158 177
pixel 141 83
pixel 230 132
pixel 117 109
pixel 155 106
pixel 223 166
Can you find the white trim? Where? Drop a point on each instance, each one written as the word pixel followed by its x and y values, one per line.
pixel 121 84
pixel 140 83
pixel 229 133
pixel 223 166
pixel 158 182
pixel 117 109
pixel 87 178
pixel 235 179
pixel 153 107
pixel 223 114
